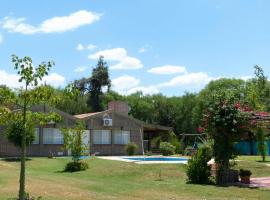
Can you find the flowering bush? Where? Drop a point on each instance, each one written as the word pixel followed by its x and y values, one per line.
pixel 225 120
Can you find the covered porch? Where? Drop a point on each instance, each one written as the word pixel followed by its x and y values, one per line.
pixel 151 131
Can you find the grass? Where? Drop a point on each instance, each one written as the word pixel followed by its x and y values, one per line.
pixel 120 180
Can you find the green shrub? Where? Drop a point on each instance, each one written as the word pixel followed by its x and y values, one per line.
pixel 76 166
pixel 131 148
pixel 197 169
pixel 167 148
pixel 15 130
pixel 168 137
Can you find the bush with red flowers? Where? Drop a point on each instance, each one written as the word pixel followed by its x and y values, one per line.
pixel 225 120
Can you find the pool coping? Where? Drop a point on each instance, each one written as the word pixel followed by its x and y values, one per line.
pixel 123 158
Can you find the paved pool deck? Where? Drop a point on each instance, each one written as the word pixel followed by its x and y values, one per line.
pixel 260 182
pixel 123 158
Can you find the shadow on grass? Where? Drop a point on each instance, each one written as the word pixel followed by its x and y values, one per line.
pixel 237 184
pixel 60 171
pixel 15 159
pixel 260 161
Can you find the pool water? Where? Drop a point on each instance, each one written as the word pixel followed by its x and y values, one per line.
pixel 84 157
pixel 157 159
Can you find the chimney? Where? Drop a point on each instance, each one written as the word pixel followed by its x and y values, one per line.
pixel 119 106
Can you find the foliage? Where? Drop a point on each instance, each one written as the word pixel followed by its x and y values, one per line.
pixel 148 153
pixel 72 100
pixel 131 148
pixel 198 171
pixel 93 85
pixel 76 166
pixel 236 87
pixel 73 141
pixel 243 172
pixel 16 127
pixel 262 146
pixel 167 148
pixel 174 141
pixel 7 97
pixel 225 120
pixel 15 131
pixel 167 137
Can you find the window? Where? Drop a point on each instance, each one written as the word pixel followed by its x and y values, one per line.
pixel 102 137
pixel 121 137
pixel 52 136
pixel 36 141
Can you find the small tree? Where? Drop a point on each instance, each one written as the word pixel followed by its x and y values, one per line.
pixel 261 143
pixel 73 142
pixel 20 124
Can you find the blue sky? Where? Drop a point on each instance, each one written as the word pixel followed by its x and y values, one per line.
pixel 154 46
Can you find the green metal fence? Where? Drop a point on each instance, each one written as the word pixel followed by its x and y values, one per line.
pixel 247 147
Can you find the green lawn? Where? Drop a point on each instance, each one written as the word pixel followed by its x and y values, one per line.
pixel 119 180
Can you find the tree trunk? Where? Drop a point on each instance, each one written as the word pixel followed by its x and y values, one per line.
pixel 23 148
pixel 22 174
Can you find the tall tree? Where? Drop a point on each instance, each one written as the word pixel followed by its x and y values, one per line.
pixel 94 85
pixel 258 90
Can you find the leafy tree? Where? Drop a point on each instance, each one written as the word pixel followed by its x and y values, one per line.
pixel 72 100
pixel 142 107
pixel 20 124
pixel 236 88
pixel 93 86
pixel 258 90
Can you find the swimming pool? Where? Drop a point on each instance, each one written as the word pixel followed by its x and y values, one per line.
pixel 148 159
pixel 168 159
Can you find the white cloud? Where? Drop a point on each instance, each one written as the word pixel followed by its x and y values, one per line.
pixel 126 85
pixel 123 83
pixel 246 78
pixel 80 69
pixel 116 54
pixel 54 79
pixel 12 80
pixel 128 63
pixel 191 80
pixel 1 38
pixel 81 47
pixel 144 48
pixel 168 69
pixel 119 55
pixel 52 25
pixel 91 47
